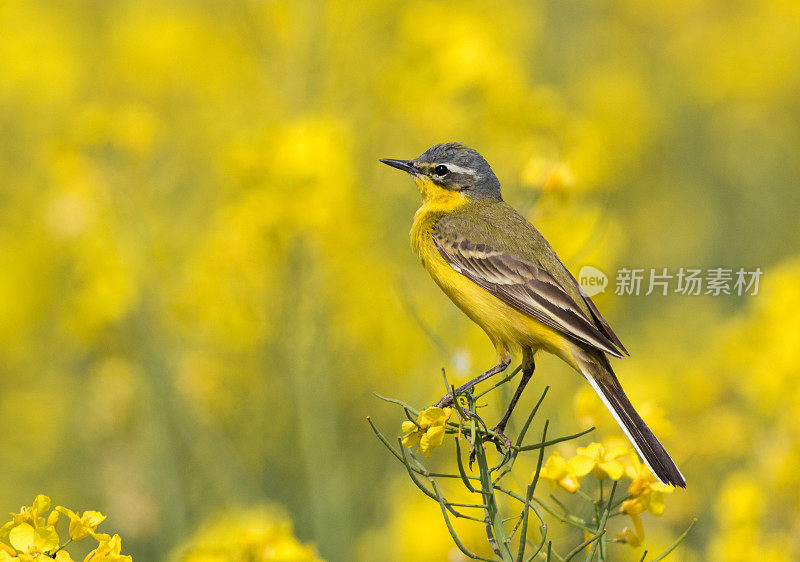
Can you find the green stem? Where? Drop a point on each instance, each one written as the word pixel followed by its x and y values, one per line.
pixel 53 554
pixel 591 540
pixel 531 487
pixel 678 541
pixel 494 521
pixel 452 531
pixel 539 548
pixel 601 525
pixel 554 441
pixel 461 471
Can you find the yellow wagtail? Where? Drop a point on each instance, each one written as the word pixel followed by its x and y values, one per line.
pixel 506 277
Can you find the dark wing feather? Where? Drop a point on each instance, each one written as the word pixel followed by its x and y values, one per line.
pixel 603 325
pixel 599 321
pixel 530 289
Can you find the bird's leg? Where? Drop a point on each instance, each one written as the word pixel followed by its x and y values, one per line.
pixel 527 372
pixel 447 399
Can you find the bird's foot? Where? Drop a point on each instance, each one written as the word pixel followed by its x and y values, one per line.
pixel 470 415
pixel 502 442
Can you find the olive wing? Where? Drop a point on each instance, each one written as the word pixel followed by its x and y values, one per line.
pixel 524 286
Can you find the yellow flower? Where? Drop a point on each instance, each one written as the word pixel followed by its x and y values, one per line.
pixel 428 431
pixel 28 531
pixel 633 537
pixel 108 550
pixel 560 472
pixel 602 464
pixel 81 527
pixel 648 493
pixel 26 514
pixel 26 538
pixel 34 537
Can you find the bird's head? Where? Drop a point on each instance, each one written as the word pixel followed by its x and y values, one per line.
pixel 451 169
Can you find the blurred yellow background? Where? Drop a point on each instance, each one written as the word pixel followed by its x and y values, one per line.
pixel 206 272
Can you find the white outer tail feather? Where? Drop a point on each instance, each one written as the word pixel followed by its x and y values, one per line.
pixel 614 413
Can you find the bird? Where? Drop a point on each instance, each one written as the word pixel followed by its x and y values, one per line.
pixel 504 275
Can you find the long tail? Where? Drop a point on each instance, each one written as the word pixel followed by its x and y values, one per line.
pixel 605 383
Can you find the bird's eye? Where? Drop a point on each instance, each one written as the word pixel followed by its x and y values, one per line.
pixel 441 170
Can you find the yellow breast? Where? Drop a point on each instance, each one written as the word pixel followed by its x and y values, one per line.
pixel 508 328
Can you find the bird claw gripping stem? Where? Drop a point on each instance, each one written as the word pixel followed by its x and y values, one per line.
pixel 502 443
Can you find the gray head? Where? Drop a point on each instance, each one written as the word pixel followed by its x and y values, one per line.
pixel 453 166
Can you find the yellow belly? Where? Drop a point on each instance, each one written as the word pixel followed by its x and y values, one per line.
pixel 508 328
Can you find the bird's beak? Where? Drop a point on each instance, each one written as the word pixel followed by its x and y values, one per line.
pixel 404 165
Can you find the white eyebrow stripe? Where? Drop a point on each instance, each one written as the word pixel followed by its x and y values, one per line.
pixel 460 169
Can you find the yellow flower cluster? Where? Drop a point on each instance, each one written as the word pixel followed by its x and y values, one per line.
pixel 428 431
pixel 644 494
pixel 32 535
pixel 647 493
pixel 594 458
pixel 257 535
